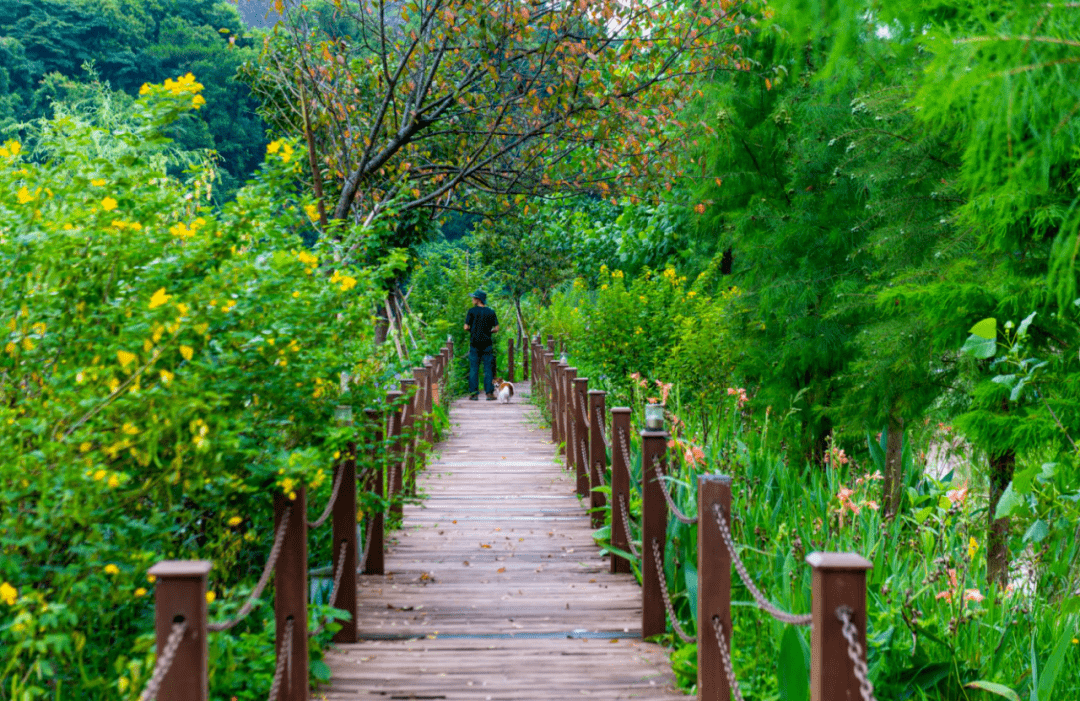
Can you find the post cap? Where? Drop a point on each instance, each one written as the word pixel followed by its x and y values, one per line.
pixel 716 477
pixel 620 410
pixel 394 393
pixel 838 561
pixel 580 379
pixel 655 434
pixel 181 568
pixel 597 393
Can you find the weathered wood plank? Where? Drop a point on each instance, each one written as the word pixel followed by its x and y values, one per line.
pixel 494 588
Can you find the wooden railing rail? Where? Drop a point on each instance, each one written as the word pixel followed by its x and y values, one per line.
pixel 181 672
pixel 838 658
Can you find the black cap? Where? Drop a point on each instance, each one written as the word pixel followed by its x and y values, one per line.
pixel 480 295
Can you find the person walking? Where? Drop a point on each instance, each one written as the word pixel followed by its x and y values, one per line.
pixel 481 322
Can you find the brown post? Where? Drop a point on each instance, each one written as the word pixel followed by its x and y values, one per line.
pixel 525 351
pixel 653 527
pixel 620 487
pixel 291 592
pixel 180 595
pixel 551 343
pixel 397 449
pixel 410 423
pixel 429 384
pixel 509 360
pixel 597 456
pixel 569 425
pixel 580 391
pixel 556 401
pixel 839 579
pixel 714 587
pixel 344 532
pixel 376 483
pixel 546 377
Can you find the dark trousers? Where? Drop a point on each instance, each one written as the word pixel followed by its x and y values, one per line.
pixel 476 356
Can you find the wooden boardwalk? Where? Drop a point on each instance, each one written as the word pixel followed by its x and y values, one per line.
pixel 494 588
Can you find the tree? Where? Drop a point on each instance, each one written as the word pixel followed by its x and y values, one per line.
pixel 407 106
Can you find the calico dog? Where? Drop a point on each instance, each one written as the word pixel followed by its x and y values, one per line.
pixel 503 390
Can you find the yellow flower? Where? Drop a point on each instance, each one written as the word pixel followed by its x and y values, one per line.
pixel 347 283
pixel 187 352
pixel 210 596
pixel 235 521
pixel 296 295
pixel 167 376
pixel 159 298
pixel 130 429
pixel 8 594
pixel 273 147
pixel 307 259
pixel 151 578
pixel 125 358
pixel 286 152
pixel 27 344
pixel 85 447
pixel 100 475
pixel 108 204
pixel 312 211
pixel 198 101
pixel 112 569
pixel 182 309
pixel 144 89
pixel 114 481
pixel 287 484
pixel 24 196
pixel 973 547
pixel 141 591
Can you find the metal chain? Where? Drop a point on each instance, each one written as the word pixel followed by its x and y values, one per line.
pixel 317 523
pixel 664 487
pixel 744 575
pixel 283 660
pixel 725 657
pixel 855 653
pixel 626 527
pixel 271 560
pixel 333 590
pixel 667 597
pixel 164 661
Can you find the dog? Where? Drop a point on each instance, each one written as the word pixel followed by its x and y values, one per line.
pixel 503 390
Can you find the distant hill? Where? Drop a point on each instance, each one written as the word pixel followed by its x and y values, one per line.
pixel 258 13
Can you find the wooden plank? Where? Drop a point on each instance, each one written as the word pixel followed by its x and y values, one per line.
pixel 494 588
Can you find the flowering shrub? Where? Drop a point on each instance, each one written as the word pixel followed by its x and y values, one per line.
pixel 163 368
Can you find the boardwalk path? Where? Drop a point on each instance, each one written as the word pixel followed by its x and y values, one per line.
pixel 494 588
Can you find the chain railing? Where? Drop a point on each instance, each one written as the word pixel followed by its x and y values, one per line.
pixel 840 576
pixel 182 654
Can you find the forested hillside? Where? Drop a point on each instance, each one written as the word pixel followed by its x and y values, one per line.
pixel 50 49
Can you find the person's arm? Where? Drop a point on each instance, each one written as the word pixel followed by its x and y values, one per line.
pixel 495 328
pixel 468 319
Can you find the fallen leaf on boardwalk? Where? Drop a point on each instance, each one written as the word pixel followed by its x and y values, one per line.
pixel 501 569
pixel 592 581
pixel 614 640
pixel 484 545
pixel 466 563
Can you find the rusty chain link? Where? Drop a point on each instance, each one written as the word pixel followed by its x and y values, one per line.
pixel 264 579
pixel 744 575
pixel 283 660
pixel 164 661
pixel 855 653
pixel 667 597
pixel 725 657
pixel 317 523
pixel 626 527
pixel 665 485
pixel 333 590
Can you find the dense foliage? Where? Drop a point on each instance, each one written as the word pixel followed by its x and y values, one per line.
pixel 165 367
pixel 48 49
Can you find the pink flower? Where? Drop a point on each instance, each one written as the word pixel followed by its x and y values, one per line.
pixel 958 495
pixel 973 595
pixel 665 390
pixel 872 505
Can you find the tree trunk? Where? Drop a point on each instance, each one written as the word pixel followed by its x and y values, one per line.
pixel 892 487
pixel 997 530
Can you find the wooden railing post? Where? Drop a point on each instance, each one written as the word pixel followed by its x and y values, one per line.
pixel 620 487
pixel 579 392
pixel 397 449
pixel 551 343
pixel 180 596
pixel 714 587
pixel 569 427
pixel 510 360
pixel 429 384
pixel 653 527
pixel 597 456
pixel 291 592
pixel 556 401
pixel 839 579
pixel 376 483
pixel 525 350
pixel 545 376
pixel 411 423
pixel 344 533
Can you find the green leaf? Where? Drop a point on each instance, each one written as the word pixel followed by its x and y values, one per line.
pixel 320 670
pixel 1024 324
pixel 978 347
pixel 793 666
pixel 1054 665
pixel 987 328
pixel 1009 502
pixel 995 688
pixel 1037 532
pixel 877 453
pixel 691 576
